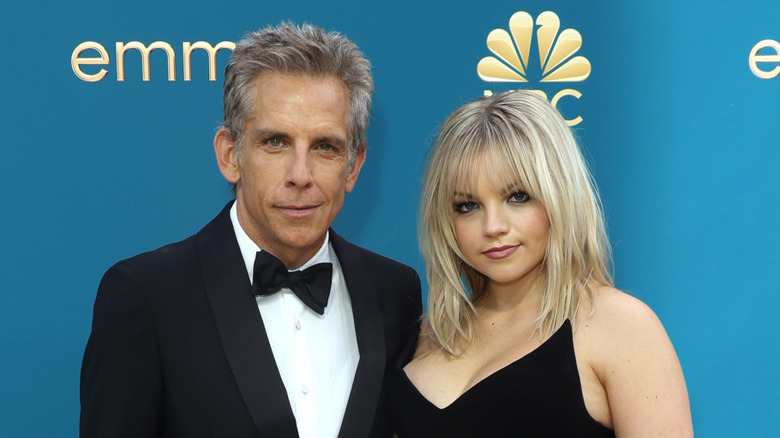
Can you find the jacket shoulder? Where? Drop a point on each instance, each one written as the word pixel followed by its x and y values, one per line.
pixel 165 259
pixel 181 254
pixel 378 266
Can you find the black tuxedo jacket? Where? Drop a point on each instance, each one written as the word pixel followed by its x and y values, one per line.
pixel 178 347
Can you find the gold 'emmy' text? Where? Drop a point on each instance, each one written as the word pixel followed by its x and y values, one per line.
pixel 100 56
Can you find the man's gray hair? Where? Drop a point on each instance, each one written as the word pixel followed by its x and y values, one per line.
pixel 306 50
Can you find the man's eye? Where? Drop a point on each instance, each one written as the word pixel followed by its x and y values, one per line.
pixel 274 142
pixel 519 197
pixel 326 147
pixel 465 207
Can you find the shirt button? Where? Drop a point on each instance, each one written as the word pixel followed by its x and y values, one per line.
pixel 305 389
pixel 297 324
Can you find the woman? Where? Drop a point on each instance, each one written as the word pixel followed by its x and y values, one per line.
pixel 525 334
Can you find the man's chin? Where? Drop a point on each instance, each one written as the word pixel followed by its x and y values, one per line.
pixel 305 238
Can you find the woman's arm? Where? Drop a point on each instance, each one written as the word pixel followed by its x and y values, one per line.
pixel 639 369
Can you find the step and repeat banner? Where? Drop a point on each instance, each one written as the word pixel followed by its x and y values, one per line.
pixel 109 111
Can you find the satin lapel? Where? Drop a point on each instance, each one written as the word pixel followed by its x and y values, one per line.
pixel 241 329
pixel 367 386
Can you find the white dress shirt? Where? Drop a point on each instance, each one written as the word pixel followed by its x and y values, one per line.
pixel 316 355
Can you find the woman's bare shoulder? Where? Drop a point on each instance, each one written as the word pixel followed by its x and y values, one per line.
pixel 615 326
pixel 609 309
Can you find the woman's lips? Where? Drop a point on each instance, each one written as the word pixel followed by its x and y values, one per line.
pixel 500 252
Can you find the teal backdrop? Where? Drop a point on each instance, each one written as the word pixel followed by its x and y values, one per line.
pixel 682 135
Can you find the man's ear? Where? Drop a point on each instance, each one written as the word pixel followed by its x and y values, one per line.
pixel 225 150
pixel 353 173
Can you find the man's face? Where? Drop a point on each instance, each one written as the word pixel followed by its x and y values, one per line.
pixel 292 177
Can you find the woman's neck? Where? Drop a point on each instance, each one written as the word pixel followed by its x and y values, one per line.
pixel 519 296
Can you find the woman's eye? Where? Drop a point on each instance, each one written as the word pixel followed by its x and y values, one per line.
pixel 465 207
pixel 519 196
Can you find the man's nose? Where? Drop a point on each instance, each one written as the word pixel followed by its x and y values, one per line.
pixel 300 171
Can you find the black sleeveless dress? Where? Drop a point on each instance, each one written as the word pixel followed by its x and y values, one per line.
pixel 539 395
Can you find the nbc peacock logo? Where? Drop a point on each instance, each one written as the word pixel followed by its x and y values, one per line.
pixel 556 55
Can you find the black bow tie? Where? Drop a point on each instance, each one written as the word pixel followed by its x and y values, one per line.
pixel 311 285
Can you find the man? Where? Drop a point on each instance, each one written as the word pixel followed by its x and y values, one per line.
pixel 211 336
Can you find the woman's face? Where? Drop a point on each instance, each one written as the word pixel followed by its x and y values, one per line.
pixel 501 230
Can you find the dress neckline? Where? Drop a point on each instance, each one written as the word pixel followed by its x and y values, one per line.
pixel 475 387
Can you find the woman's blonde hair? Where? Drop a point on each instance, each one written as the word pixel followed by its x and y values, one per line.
pixel 523 140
